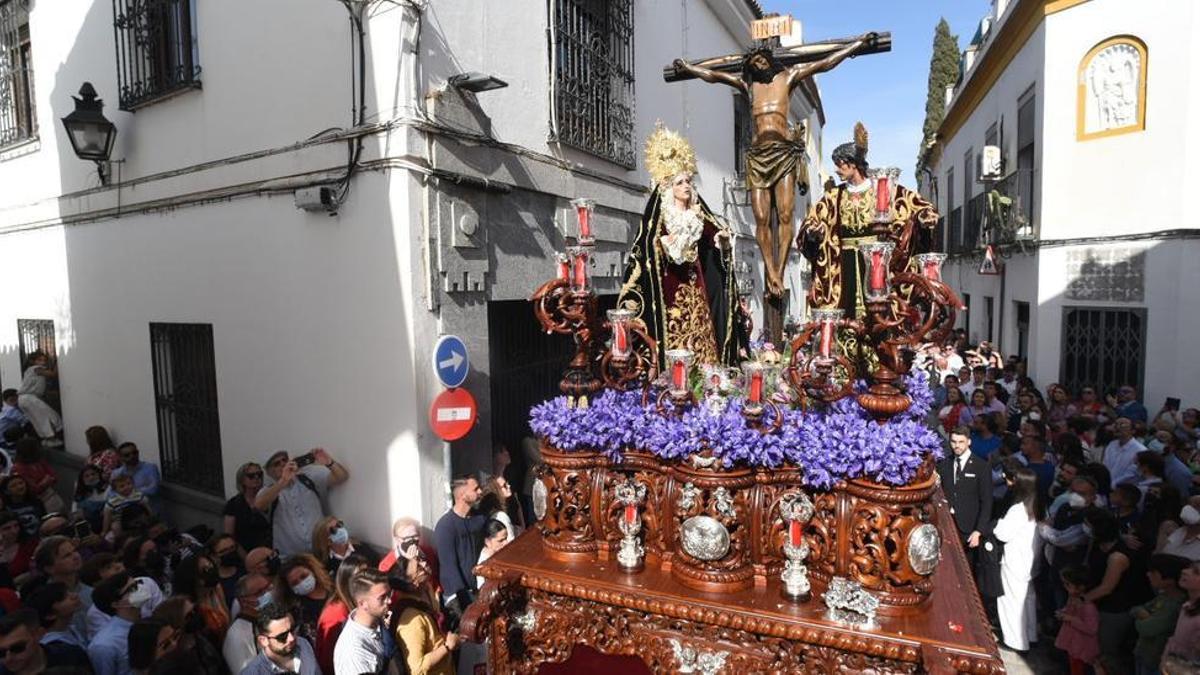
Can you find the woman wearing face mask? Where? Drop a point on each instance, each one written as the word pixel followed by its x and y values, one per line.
pixel 143 559
pixel 331 544
pixel 337 610
pixel 91 492
pixel 1184 540
pixel 223 549
pixel 198 579
pixel 185 617
pixel 304 586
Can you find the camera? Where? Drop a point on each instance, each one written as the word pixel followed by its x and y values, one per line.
pixel 304 460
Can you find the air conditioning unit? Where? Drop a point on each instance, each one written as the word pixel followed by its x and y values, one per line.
pixel 989 163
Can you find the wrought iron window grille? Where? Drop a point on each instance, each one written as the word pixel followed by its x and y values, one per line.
pixel 18 116
pixel 156 50
pixel 591 53
pixel 185 403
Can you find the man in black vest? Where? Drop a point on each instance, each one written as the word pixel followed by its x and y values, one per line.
pixel 967 482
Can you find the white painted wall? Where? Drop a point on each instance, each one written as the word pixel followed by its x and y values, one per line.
pixel 321 325
pixel 1106 187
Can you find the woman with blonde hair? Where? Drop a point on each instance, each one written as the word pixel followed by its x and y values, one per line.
pixel 425 648
pixel 250 527
pixel 331 544
pixel 304 587
pixel 337 610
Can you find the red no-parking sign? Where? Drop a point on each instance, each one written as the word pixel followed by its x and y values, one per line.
pixel 452 414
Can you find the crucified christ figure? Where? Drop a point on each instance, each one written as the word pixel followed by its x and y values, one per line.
pixel 776 149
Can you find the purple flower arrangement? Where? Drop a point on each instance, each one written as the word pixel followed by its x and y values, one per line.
pixel 836 443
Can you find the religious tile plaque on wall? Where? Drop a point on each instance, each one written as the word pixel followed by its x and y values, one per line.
pixel 1106 274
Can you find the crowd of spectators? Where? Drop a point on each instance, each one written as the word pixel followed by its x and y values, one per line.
pixel 1078 510
pixel 99 582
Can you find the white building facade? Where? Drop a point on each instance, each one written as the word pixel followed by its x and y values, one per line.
pixel 1088 103
pixel 194 309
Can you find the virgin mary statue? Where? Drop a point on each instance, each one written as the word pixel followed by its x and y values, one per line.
pixel 679 276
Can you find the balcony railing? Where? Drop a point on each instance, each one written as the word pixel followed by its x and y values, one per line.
pixel 1001 214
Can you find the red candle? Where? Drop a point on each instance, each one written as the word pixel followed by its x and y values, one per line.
pixel 826 338
pixel 620 338
pixel 756 386
pixel 585 226
pixel 581 272
pixel 630 513
pixel 794 533
pixel 877 271
pixel 931 271
pixel 564 269
pixel 883 196
pixel 679 375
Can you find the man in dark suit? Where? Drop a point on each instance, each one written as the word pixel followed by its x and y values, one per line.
pixel 967 483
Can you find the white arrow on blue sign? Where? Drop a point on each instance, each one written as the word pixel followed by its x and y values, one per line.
pixel 450 360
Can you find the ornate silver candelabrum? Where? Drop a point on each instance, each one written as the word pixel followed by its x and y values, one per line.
pixel 631 556
pixel 796 509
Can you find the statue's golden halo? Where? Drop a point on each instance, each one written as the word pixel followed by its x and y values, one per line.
pixel 668 154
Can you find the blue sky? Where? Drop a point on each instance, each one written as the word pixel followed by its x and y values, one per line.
pixel 885 91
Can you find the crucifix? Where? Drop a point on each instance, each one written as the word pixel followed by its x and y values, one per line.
pixel 767 75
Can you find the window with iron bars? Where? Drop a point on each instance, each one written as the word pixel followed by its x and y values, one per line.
pixel 743 133
pixel 592 65
pixel 18 117
pixel 156 49
pixel 185 403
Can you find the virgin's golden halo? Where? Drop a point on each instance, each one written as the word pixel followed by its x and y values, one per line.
pixel 668 154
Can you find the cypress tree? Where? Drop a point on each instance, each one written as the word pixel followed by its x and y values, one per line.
pixel 943 72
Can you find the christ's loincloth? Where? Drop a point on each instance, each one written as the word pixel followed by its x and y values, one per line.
pixel 768 162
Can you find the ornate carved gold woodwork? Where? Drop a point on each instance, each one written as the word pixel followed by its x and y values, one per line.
pixel 712 511
pixel 729 518
pixel 567 526
pixel 534 611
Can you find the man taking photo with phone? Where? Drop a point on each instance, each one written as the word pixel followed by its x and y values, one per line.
pixel 294 496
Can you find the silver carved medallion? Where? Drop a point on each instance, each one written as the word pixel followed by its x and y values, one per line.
pixel 538 493
pixel 924 549
pixel 704 538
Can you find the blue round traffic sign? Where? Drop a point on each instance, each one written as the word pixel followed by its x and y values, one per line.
pixel 450 360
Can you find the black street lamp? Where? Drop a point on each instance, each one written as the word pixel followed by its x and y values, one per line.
pixel 91 134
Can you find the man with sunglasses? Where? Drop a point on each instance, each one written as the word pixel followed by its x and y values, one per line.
pixel 240 647
pixel 280 649
pixel 121 597
pixel 21 653
pixel 294 498
pixel 146 478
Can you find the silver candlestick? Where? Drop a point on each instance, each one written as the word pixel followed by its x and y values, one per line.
pixel 631 556
pixel 796 510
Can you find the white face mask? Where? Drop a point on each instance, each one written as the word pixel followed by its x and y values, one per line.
pixel 305 587
pixel 139 596
pixel 1189 515
pixel 1076 500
